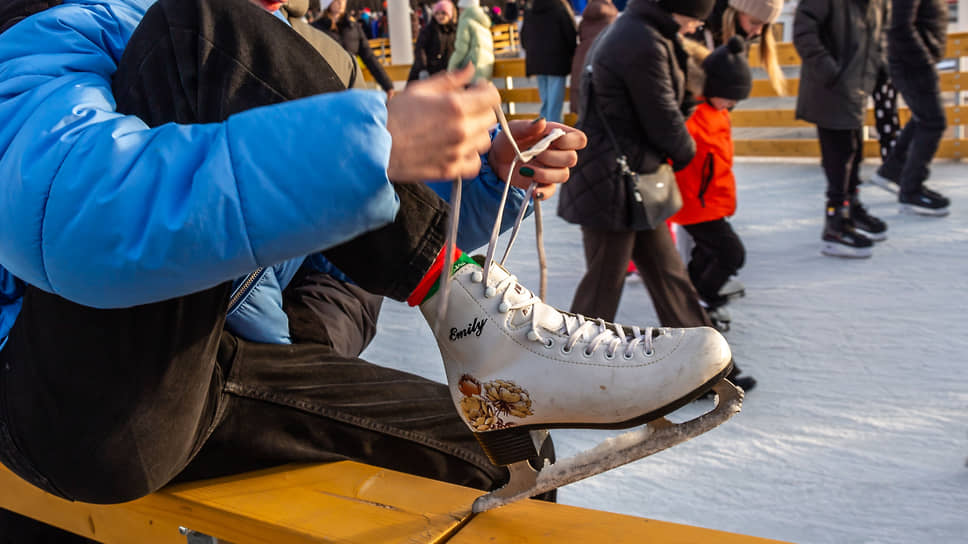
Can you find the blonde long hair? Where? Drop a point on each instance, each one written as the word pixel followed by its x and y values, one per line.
pixel 768 58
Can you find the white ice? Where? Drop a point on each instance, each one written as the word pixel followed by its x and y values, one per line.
pixel 858 429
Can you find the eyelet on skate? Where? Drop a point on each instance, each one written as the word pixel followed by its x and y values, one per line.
pixel 627 356
pixel 549 344
pixel 587 353
pixel 503 307
pixel 565 349
pixel 609 355
pixel 477 276
pixel 649 353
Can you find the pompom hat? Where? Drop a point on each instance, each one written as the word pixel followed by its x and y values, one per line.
pixel 764 10
pixel 727 72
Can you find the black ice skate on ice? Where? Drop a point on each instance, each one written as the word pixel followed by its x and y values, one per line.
pixel 924 202
pixel 867 224
pixel 840 239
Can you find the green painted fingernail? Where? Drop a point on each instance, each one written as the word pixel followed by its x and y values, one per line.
pixel 526 171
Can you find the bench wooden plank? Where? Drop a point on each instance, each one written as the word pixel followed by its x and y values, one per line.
pixel 535 522
pixel 342 502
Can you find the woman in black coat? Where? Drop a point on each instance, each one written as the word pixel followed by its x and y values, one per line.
pixel 435 43
pixel 635 74
pixel 348 32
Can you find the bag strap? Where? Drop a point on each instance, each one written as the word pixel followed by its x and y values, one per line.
pixel 622 158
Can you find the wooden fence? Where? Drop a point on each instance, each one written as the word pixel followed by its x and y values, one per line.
pixel 778 123
pixel 506 43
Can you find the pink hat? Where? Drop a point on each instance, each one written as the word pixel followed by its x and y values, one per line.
pixel 445 6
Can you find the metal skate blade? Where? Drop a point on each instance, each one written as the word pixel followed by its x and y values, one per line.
pixel 651 438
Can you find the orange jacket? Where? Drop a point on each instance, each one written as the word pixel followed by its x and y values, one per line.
pixel 707 185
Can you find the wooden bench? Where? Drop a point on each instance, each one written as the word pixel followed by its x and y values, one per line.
pixel 751 115
pixel 344 502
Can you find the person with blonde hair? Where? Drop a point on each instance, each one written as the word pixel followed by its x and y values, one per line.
pixel 751 20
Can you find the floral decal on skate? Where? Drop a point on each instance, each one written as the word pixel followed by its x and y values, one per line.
pixel 484 403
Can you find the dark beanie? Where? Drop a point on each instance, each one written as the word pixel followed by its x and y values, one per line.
pixel 727 72
pixel 697 9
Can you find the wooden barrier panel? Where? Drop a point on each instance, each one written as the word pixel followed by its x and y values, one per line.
pixel 505 38
pixel 344 502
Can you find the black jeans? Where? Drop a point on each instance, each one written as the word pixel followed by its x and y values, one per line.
pixel 719 254
pixel 908 162
pixel 841 153
pixel 109 405
pixel 607 255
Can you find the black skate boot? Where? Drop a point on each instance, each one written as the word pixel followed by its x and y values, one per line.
pixel 867 224
pixel 840 239
pixel 924 202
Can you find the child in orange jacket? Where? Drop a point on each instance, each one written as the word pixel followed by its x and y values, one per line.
pixel 707 185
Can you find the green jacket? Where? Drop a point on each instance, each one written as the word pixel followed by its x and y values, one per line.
pixel 474 43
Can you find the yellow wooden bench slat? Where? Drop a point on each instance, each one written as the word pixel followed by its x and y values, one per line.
pixel 797 147
pixel 342 502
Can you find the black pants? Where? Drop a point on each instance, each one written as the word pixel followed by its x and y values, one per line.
pixel 909 160
pixel 841 153
pixel 109 405
pixel 718 254
pixel 607 256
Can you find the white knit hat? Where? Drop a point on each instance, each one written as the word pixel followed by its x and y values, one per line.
pixel 323 4
pixel 468 3
pixel 764 10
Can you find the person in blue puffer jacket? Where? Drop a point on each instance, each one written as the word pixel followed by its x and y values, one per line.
pixel 125 238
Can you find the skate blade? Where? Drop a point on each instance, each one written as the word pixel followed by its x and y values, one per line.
pixel 655 436
pixel 874 236
pixel 908 209
pixel 838 250
pixel 883 183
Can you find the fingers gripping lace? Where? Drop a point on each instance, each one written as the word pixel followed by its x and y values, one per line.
pixel 449 246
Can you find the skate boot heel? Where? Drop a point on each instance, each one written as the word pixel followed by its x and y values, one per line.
pixel 506 446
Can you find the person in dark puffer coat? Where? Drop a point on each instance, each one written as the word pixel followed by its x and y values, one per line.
pixel 435 44
pixel 916 42
pixel 644 100
pixel 549 37
pixel 597 16
pixel 841 44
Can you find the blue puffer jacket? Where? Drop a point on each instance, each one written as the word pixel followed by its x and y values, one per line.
pixel 101 210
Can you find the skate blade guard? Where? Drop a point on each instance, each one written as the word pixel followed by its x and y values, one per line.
pixel 655 436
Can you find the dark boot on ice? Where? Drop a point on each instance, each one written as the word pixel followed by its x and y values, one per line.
pixel 840 238
pixel 865 223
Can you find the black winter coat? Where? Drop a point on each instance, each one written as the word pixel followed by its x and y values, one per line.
pixel 350 35
pixel 636 73
pixel 549 36
pixel 917 33
pixel 433 49
pixel 841 47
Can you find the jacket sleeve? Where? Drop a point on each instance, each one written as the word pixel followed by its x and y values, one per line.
pixel 371 62
pixel 656 105
pixel 905 40
pixel 807 27
pixel 100 209
pixel 480 199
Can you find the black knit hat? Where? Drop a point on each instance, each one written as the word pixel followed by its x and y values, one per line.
pixel 697 9
pixel 727 72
